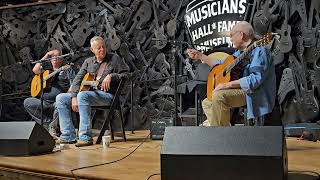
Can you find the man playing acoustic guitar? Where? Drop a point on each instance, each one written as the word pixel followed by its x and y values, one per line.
pixel 256 88
pixel 106 69
pixel 60 81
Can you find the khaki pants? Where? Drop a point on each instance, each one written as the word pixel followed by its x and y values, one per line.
pixel 218 110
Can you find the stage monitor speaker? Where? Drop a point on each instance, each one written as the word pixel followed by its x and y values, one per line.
pixel 24 138
pixel 224 153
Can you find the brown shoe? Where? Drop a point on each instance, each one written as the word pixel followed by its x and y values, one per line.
pixel 81 143
pixel 62 141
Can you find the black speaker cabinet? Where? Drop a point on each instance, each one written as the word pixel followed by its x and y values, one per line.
pixel 224 153
pixel 24 138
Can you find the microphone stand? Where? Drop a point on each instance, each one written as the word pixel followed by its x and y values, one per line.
pixel 41 61
pixel 174 71
pixel 41 92
pixel 174 44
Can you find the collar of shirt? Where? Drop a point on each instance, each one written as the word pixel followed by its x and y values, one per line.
pixel 97 62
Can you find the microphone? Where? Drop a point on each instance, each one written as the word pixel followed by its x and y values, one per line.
pixel 72 53
pixel 83 50
pixel 51 58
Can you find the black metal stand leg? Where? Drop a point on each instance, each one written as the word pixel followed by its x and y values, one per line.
pixel 41 95
pixel 111 127
pixel 122 124
pixel 132 108
pixel 174 71
pixel 196 106
pixel 104 126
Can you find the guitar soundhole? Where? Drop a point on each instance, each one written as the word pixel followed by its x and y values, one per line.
pixel 286 33
pixel 224 73
pixel 138 18
pixel 84 31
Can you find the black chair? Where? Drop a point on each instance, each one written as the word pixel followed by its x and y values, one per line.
pixel 115 105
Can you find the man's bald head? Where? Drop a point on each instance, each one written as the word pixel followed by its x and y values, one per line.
pixel 244 27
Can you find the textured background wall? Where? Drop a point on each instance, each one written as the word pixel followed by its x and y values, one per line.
pixel 129 25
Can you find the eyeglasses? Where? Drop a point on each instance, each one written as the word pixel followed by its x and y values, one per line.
pixel 55 58
pixel 234 33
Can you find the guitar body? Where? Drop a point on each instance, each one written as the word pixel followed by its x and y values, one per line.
pixel 285 40
pixel 216 74
pixel 222 73
pixel 36 83
pixel 310 103
pixel 87 77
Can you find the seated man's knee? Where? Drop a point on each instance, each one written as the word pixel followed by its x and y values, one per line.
pixel 26 102
pixel 218 96
pixel 61 99
pixel 30 103
pixel 206 102
pixel 82 95
pixel 83 98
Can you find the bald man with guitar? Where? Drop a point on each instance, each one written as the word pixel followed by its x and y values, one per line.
pixel 254 85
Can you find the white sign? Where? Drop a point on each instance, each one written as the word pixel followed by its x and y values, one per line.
pixel 209 20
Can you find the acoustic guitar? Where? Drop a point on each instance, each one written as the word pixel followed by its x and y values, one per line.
pixel 221 73
pixel 36 81
pixel 88 82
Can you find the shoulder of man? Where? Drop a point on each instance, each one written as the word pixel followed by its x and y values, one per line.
pixel 112 57
pixel 90 59
pixel 236 53
pixel 261 50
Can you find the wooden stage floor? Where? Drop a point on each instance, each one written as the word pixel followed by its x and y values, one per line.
pixel 303 156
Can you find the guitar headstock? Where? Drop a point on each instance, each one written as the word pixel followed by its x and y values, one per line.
pixel 265 40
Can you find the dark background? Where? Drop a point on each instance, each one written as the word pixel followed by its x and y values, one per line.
pixel 27 33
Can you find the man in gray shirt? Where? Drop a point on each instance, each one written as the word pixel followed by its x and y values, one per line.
pixel 105 68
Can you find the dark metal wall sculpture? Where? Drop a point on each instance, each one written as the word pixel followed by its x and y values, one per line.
pixel 129 27
pixel 296 53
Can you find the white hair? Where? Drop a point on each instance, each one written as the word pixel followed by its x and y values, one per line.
pixel 96 38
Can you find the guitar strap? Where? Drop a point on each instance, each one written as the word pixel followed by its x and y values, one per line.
pixel 101 70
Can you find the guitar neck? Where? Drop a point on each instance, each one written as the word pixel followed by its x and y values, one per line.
pixel 52 74
pixel 240 58
pixel 89 83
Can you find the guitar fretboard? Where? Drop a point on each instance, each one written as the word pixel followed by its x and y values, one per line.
pixel 53 73
pixel 240 58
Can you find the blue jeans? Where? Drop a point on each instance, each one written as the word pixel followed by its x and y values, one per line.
pixel 86 99
pixel 33 107
pixel 258 121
